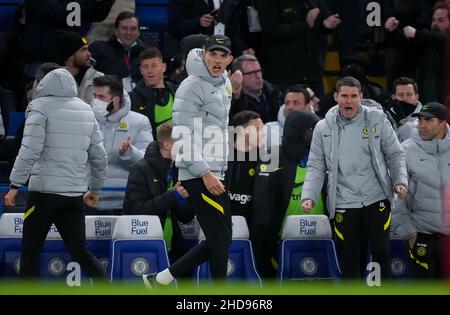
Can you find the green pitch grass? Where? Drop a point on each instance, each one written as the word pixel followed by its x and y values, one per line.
pixel 234 288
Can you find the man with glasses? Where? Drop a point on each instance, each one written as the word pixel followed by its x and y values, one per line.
pixel 254 93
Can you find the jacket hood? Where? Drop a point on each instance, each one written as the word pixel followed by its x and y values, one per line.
pixel 281 116
pixel 297 123
pixel 435 146
pixel 153 157
pixel 124 110
pixel 195 65
pixel 59 82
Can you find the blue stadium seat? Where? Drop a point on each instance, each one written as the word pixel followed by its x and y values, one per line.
pixel 55 260
pixel 241 263
pixel 138 248
pixel 14 121
pixel 10 244
pixel 399 257
pixel 191 233
pixel 7 9
pixel 307 250
pixel 99 231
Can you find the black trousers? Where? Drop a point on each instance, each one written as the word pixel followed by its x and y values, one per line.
pixel 67 213
pixel 214 218
pixel 354 228
pixel 424 257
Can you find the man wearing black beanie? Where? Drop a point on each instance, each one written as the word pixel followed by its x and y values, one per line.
pixel 73 53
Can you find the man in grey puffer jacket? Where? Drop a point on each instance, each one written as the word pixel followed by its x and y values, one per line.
pixel 419 217
pixel 200 118
pixel 357 150
pixel 61 140
pixel 126 136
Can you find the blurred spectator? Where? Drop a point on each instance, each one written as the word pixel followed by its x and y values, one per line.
pixel 12 58
pixel 296 98
pixel 105 29
pixel 120 54
pixel 432 43
pixel 418 14
pixel 253 92
pixel 44 18
pixel 153 189
pixel 292 32
pixel 348 33
pixel 418 219
pixel 186 44
pixel 153 96
pixel 126 136
pixel 74 54
pixel 357 68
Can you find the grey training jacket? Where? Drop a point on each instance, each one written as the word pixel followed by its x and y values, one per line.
pixel 387 155
pixel 200 118
pixel 60 141
pixel 428 165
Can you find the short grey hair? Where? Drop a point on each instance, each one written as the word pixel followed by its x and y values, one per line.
pixel 237 63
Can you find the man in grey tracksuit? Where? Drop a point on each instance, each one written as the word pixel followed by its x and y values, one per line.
pixel 62 148
pixel 419 217
pixel 200 118
pixel 357 150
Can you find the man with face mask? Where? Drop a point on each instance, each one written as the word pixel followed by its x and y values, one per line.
pixel 405 103
pixel 73 53
pixel 126 136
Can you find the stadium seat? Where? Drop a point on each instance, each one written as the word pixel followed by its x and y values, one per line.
pixel 138 248
pixel 191 233
pixel 54 257
pixel 307 251
pixel 99 231
pixel 399 257
pixel 241 263
pixel 14 121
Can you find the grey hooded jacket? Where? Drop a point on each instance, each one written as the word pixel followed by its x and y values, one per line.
pixel 428 164
pixel 86 87
pixel 387 155
pixel 200 118
pixel 115 129
pixel 60 141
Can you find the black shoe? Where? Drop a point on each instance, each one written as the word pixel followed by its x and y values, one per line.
pixel 150 280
